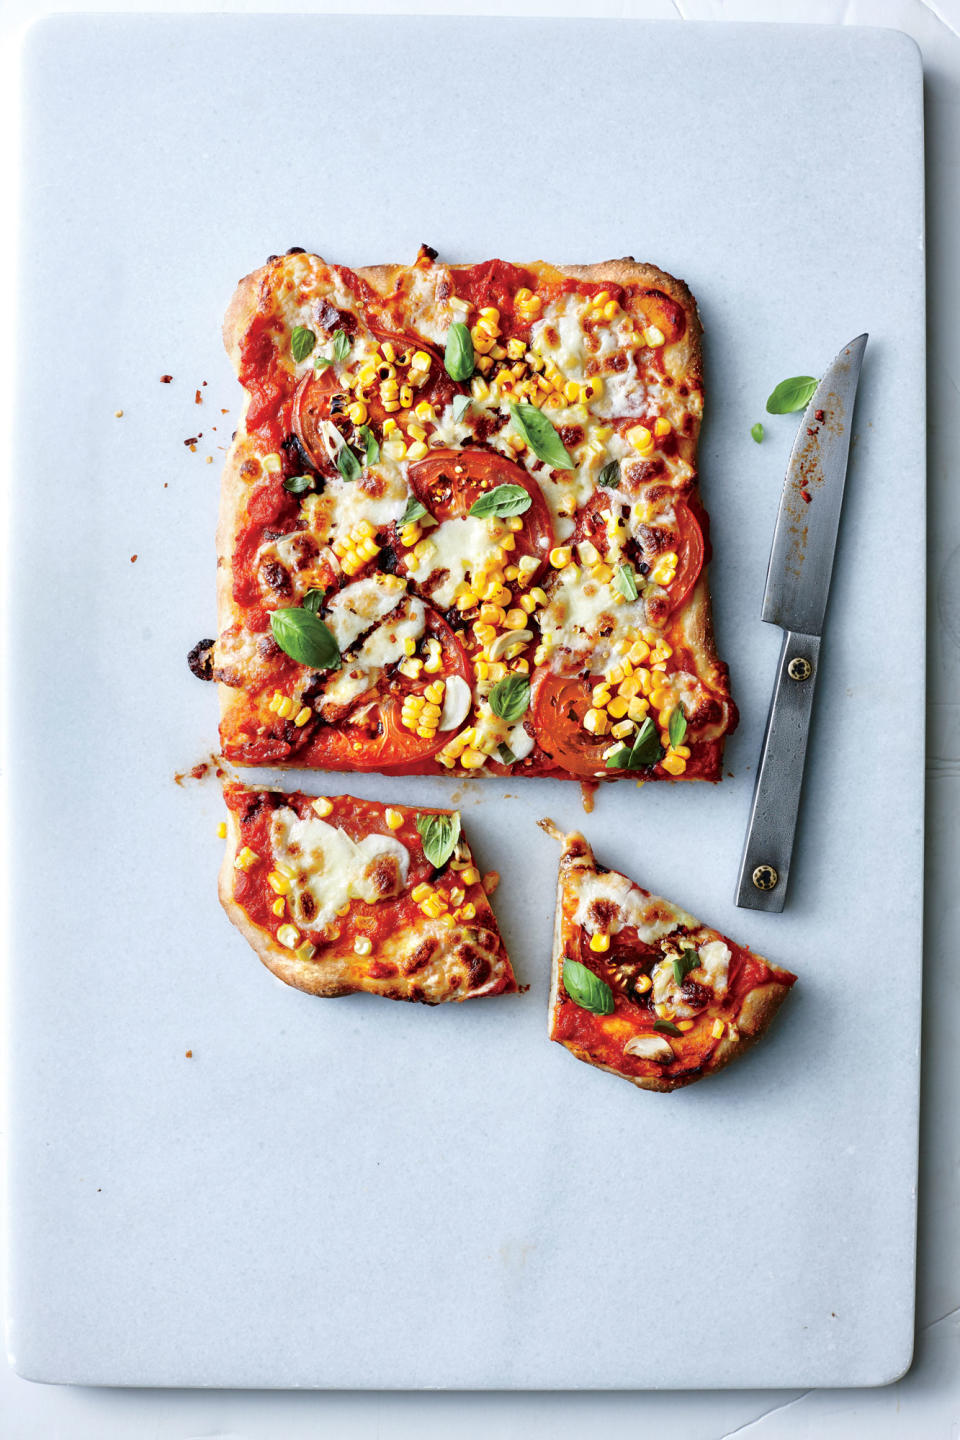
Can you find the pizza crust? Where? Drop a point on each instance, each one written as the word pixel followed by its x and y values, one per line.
pixel 755 1016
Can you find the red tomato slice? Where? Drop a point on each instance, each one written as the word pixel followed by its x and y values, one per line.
pixel 559 705
pixel 311 405
pixel 378 740
pixel 689 544
pixel 451 481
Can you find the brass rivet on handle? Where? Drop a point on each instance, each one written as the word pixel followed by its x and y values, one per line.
pixel 765 877
pixel 799 668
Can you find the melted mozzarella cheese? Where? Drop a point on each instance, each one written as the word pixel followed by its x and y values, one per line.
pixel 385 645
pixel 582 608
pixel 359 605
pixel 459 547
pixel 712 973
pixel 429 315
pixel 625 904
pixel 330 869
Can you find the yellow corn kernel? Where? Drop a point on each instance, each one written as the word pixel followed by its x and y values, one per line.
pixel 357 412
pixel 470 875
pixel 305 951
pixel 222 830
pixel 286 708
pixel 653 336
pixel 717 1029
pixel 366 374
pixel 674 764
pixel 588 553
pixel 246 858
pixel 684 1025
pixel 560 556
pixel 272 462
pixel 662 426
pixel 492 614
pixel 302 716
pixel 429 715
pixel 417 431
pixel 629 687
pixel 596 721
pixel 637 709
pixel 638 652
pixel 511 573
pixel 322 806
pixel 406 396
pixel 527 604
pixel 640 438
pixel 275 700
pixel 642 984
pixel 434 660
pixel 665 569
pixel 278 883
pixel 682 750
pixel 602 573
pixel 420 360
pixel 498 594
pixel 617 708
pixel 472 759
pixel 599 942
pixel 279 905
pixel 570 573
pixel 420 892
pixel 433 694
pixel 416 451
pixel 622 729
pixel 410 534
pixel 541 654
pixel 393 818
pixel 515 620
pixel 600 694
pixel 288 935
pixel 508 542
pixel 362 945
pixel 467 912
pixel 423 411
pixel 592 390
pixel 434 906
pixel 610 309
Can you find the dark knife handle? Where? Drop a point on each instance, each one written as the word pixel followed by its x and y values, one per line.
pixel 765 866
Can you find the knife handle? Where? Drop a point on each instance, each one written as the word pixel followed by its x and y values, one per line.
pixel 765 866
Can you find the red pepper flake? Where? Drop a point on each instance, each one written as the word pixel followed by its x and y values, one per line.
pixel 203 382
pixel 224 412
pixel 811 429
pixel 806 496
pixel 188 1054
pixel 133 559
pixel 198 398
pixel 165 379
pixel 191 440
pixel 818 414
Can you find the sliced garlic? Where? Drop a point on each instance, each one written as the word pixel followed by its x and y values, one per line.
pixel 506 639
pixel 457 700
pixel 650 1047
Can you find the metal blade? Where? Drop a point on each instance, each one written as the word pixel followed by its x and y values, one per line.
pixel 801 559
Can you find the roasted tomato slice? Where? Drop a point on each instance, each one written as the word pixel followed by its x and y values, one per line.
pixel 451 481
pixel 687 542
pixel 559 705
pixel 371 735
pixel 313 401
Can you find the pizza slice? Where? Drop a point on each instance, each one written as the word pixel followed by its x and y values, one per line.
pixel 337 894
pixel 641 988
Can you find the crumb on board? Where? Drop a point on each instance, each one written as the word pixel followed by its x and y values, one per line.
pixel 133 559
pixel 197 398
pixel 209 459
pixel 118 414
pixel 490 881
pixel 188 1054
pixel 166 379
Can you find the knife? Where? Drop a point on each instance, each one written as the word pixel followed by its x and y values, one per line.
pixel 795 598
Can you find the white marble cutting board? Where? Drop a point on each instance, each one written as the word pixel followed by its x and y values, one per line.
pixel 359 1194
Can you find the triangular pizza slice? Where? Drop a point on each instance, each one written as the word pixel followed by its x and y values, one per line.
pixel 641 988
pixel 337 894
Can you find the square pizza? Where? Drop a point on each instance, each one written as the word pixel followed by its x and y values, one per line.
pixel 460 527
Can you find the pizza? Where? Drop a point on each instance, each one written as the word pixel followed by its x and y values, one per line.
pixel 337 895
pixel 641 988
pixel 460 528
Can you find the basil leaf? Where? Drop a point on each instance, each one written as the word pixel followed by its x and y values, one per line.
pixel 678 726
pixel 610 475
pixel 297 484
pixel 541 436
pixel 510 697
pixel 348 464
pixel 689 960
pixel 461 404
pixel 502 500
pixel 370 444
pixel 341 345
pixel 458 358
pixel 620 759
pixel 586 989
pixel 302 342
pixel 313 600
pixel 439 835
pixel 507 756
pixel 757 432
pixel 305 638
pixel 647 749
pixel 666 1027
pixel 321 363
pixel 626 581
pixel 414 511
pixel 793 394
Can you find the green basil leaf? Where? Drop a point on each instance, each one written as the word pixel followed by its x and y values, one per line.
pixel 341 345
pixel 586 989
pixel 302 342
pixel 647 749
pixel 510 697
pixel 666 1027
pixel 793 394
pixel 757 432
pixel 370 444
pixel 297 484
pixel 461 404
pixel 507 756
pixel 414 511
pixel 626 581
pixel 541 436
pixel 305 638
pixel 458 358
pixel 313 600
pixel 502 500
pixel 610 475
pixel 348 464
pixel 620 759
pixel 678 726
pixel 321 363
pixel 439 835
pixel 689 960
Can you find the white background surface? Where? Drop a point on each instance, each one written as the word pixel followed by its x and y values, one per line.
pixel 924 1403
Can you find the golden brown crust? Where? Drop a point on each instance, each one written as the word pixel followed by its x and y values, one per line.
pixel 756 1013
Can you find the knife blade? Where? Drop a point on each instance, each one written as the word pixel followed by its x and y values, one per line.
pixel 795 598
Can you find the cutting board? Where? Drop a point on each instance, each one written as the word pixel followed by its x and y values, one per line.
pixel 216 1180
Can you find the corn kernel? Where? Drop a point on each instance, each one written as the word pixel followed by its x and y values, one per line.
pixel 653 336
pixel 622 729
pixel 470 875
pixel 305 951
pixel 600 694
pixel 279 905
pixel 322 805
pixel 638 652
pixel 637 709
pixel 674 764
pixel 362 945
pixel 684 1025
pixel 416 451
pixel 560 556
pixel 599 943
pixel 467 912
pixel 302 716
pixel 246 858
pixel 222 830
pixel 393 818
pixel 278 883
pixel 642 985
pixel 288 935
pixel 718 1029
pixel 357 412
pixel 272 462
pixel 433 694
pixel 588 553
pixel 617 708
pixel 420 360
pixel 662 426
pixel 472 759
pixel 640 438
pixel 596 721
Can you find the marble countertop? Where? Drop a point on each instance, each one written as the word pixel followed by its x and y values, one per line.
pixel 927 1401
